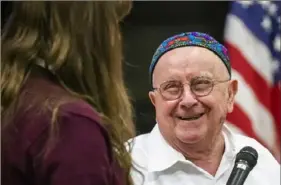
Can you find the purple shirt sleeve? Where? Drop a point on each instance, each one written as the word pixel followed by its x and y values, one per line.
pixel 80 156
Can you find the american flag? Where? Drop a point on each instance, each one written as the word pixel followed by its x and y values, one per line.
pixel 252 36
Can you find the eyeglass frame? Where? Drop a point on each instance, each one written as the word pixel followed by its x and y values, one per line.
pixel 214 82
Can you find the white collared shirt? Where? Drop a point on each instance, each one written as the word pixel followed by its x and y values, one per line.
pixel 160 164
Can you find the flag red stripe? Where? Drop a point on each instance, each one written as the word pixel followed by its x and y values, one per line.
pixel 260 87
pixel 243 121
pixel 254 80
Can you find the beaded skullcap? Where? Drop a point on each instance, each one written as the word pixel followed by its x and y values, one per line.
pixel 190 39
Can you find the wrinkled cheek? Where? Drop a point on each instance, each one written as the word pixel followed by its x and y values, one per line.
pixel 166 111
pixel 220 113
pixel 170 108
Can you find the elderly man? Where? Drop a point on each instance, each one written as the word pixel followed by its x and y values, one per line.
pixel 192 92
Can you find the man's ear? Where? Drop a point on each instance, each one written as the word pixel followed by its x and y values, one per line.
pixel 232 90
pixel 151 95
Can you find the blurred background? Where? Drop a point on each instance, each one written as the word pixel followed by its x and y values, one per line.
pixel 251 31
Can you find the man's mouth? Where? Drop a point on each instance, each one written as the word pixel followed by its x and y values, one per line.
pixel 190 118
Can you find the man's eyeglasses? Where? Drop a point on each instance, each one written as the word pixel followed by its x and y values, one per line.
pixel 199 86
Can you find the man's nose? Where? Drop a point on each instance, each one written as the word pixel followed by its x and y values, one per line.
pixel 188 98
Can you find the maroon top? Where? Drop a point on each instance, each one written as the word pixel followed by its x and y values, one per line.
pixel 82 154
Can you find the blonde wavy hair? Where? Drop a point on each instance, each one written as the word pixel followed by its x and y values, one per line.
pixel 82 43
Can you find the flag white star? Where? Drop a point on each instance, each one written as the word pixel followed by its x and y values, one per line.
pixel 272 9
pixel 277 43
pixel 264 4
pixel 266 23
pixel 275 66
pixel 246 4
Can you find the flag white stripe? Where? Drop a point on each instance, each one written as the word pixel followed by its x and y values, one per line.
pixel 254 50
pixel 261 119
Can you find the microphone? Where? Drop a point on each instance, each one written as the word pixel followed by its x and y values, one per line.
pixel 245 161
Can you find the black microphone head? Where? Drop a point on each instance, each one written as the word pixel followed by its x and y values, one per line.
pixel 248 154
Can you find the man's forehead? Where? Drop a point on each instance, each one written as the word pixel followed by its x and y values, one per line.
pixel 174 75
pixel 189 57
pixel 188 62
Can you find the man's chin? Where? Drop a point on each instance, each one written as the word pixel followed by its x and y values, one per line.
pixel 189 138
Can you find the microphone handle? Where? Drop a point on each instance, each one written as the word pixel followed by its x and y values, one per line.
pixel 238 177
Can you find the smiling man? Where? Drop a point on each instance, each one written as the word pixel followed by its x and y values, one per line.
pixel 192 92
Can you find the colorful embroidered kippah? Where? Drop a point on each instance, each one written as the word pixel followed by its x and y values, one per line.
pixel 190 39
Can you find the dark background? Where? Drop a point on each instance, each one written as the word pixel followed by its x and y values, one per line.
pixel 149 23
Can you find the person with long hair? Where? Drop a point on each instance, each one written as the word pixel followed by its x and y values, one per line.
pixel 65 110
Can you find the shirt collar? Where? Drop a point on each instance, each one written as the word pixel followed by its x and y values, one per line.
pixel 162 156
pixel 230 148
